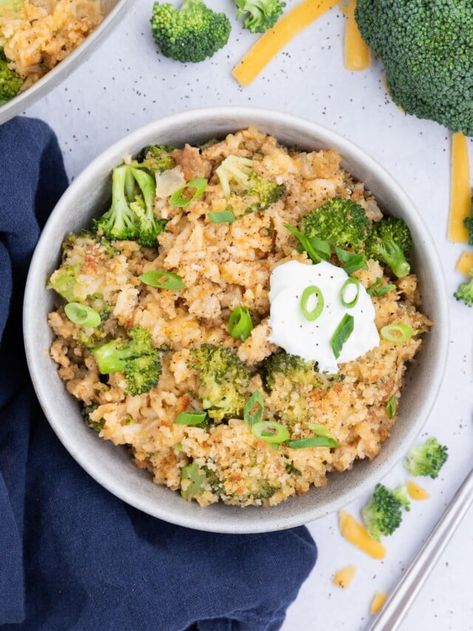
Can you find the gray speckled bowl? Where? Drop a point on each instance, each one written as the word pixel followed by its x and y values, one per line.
pixel 110 465
pixel 113 9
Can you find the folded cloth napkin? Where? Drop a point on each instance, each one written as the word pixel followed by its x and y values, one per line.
pixel 73 556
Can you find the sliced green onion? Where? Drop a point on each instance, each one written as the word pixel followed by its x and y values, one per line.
pixel 351 262
pixel 308 294
pixel 305 243
pixel 341 334
pixel 162 280
pixel 397 333
pixel 379 290
pixel 240 323
pixel 320 430
pixel 82 315
pixel 322 247
pixel 225 216
pixel 391 406
pixel 192 417
pixel 183 197
pixel 312 441
pixel 254 408
pixel 346 288
pixel 270 431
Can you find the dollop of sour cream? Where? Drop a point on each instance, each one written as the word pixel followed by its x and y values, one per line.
pixel 311 340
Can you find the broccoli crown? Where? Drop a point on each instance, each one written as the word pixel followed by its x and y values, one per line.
pixel 10 81
pixel 390 241
pixel 427 52
pixel 402 494
pixel 191 33
pixel 157 158
pixel 464 292
pixel 223 378
pixel 427 459
pixel 262 193
pixel 259 15
pixel 292 367
pixel 341 222
pixel 136 357
pixel 131 215
pixel 383 513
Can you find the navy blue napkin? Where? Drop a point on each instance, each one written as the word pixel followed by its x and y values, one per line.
pixel 72 556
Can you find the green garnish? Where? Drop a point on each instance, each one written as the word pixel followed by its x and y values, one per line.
pixel 391 406
pixel 346 288
pixel 270 431
pixel 197 479
pixel 162 280
pixel 184 196
pixel 312 441
pixel 378 290
pixel 342 333
pixel 225 216
pixel 312 292
pixel 350 261
pixel 192 417
pixel 82 315
pixel 317 249
pixel 240 323
pixel 397 333
pixel 254 408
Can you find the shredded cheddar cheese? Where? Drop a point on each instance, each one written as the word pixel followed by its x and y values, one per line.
pixel 378 602
pixel 465 263
pixel 416 492
pixel 357 53
pixel 356 534
pixel 460 193
pixel 344 577
pixel 276 38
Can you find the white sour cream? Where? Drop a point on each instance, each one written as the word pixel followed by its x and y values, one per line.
pixel 311 340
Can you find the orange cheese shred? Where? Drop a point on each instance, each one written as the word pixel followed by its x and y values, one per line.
pixel 356 534
pixel 460 189
pixel 465 263
pixel 378 602
pixel 416 492
pixel 357 52
pixel 344 577
pixel 276 38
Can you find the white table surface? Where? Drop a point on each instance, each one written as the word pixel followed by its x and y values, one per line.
pixel 127 84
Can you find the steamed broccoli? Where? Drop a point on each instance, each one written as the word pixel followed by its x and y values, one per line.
pixel 247 191
pixel 341 222
pixel 191 33
pixel 383 513
pixel 223 380
pixel 136 357
pixel 131 216
pixel 259 15
pixel 427 51
pixel 464 292
pixel 390 242
pixel 10 81
pixel 156 158
pixel 427 459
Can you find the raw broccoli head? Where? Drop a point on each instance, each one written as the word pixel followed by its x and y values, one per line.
pixel 136 357
pixel 390 242
pixel 464 292
pixel 10 81
pixel 427 459
pixel 427 52
pixel 223 380
pixel 341 222
pixel 156 158
pixel 383 513
pixel 191 33
pixel 259 15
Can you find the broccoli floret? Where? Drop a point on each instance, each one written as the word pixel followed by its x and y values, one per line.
pixel 86 412
pixel 469 224
pixel 156 158
pixel 192 32
pixel 402 494
pixel 149 226
pixel 341 222
pixel 119 222
pixel 247 191
pixel 259 15
pixel 383 513
pixel 136 357
pixel 64 281
pixel 223 380
pixel 427 52
pixel 10 81
pixel 427 459
pixel 464 292
pixel 390 242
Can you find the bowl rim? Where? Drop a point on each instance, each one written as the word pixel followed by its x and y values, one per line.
pixel 55 76
pixel 327 138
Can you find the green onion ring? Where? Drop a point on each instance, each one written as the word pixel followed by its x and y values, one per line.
pixel 225 216
pixel 178 199
pixel 397 333
pixel 313 314
pixel 341 334
pixel 343 292
pixel 191 417
pixel 254 408
pixel 240 323
pixel 270 431
pixel 162 280
pixel 391 406
pixel 82 315
pixel 313 441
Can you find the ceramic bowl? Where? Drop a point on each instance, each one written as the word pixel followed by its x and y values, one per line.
pixel 111 466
